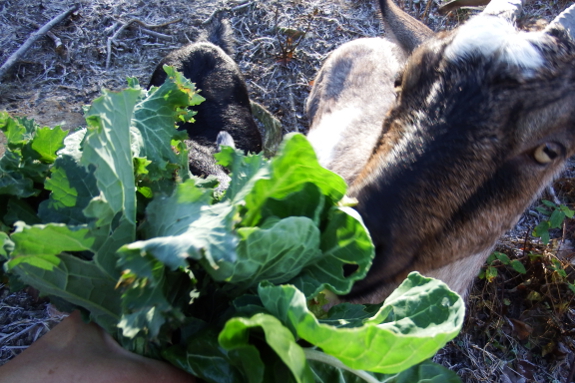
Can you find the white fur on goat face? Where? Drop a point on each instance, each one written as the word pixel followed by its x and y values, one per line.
pixel 495 37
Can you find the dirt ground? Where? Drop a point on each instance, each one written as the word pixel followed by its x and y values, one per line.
pixel 280 47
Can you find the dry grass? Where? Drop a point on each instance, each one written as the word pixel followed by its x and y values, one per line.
pixel 280 47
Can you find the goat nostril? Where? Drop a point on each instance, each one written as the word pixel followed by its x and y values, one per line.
pixel 547 152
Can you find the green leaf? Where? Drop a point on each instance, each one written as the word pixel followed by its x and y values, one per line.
pixel 73 187
pixel 556 219
pixel 39 245
pixel 19 210
pixel 418 319
pixel 245 170
pixel 518 266
pixel 345 240
pixel 204 358
pixel 48 141
pixel 6 245
pixel 568 212
pixel 542 230
pixel 294 167
pixel 236 335
pixel 186 226
pixel 490 273
pixel 39 261
pixel 276 253
pixel 503 258
pixel 144 305
pixel 17 131
pixel 154 118
pixel 425 372
pixel 107 147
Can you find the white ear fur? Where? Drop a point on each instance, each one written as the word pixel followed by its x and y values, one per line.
pixel 496 38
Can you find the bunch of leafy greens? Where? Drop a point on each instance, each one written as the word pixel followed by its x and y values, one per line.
pixel 227 287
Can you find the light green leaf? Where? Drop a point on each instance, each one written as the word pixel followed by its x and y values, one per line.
pixel 419 318
pixel 345 240
pixel 294 167
pixel 39 245
pixel 556 219
pixel 245 170
pixel 107 147
pixel 73 187
pixel 38 259
pixel 425 372
pixel 186 226
pixel 236 334
pixel 155 116
pixel 48 141
pixel 276 253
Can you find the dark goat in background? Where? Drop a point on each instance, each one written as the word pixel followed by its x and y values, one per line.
pixel 445 139
pixel 209 65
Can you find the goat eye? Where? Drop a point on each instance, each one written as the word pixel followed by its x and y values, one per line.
pixel 547 152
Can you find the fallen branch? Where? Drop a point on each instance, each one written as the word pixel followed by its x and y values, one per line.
pixel 32 39
pixel 112 39
pixel 57 41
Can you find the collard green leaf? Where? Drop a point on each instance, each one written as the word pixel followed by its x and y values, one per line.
pixel 345 240
pixel 6 245
pixel 424 315
pixel 18 131
pixel 39 245
pixel 245 170
pixel 107 147
pixel 186 226
pixel 425 372
pixel 307 202
pixel 19 210
pixel 276 253
pixel 206 359
pixel 155 116
pixel 144 304
pixel 236 334
pixel 48 141
pixel 73 186
pixel 39 261
pixel 20 166
pixel 290 171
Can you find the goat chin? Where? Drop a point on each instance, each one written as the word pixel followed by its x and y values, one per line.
pixel 448 140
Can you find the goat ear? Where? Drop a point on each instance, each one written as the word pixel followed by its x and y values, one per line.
pixel 565 20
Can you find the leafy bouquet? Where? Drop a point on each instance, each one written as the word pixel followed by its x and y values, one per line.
pixel 229 287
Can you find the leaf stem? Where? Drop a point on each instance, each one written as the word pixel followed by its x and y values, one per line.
pixel 333 361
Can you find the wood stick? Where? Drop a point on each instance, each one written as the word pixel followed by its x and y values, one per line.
pixel 32 39
pixel 56 39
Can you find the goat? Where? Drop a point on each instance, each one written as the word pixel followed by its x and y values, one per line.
pixel 209 65
pixel 445 139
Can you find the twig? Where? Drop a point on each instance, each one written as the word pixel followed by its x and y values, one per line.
pixel 156 34
pixel 126 25
pixel 32 39
pixel 56 39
